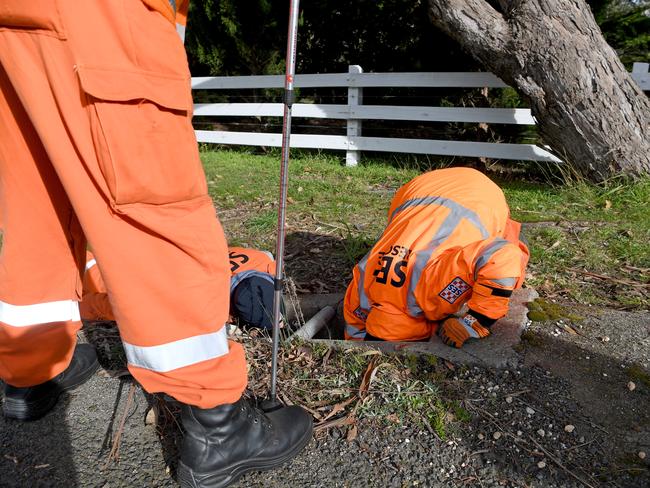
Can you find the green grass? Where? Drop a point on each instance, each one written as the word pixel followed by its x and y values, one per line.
pixel 572 229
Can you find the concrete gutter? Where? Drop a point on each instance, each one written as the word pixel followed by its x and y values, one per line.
pixel 495 352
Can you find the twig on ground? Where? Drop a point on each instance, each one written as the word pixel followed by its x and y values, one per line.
pixel 347 420
pixel 560 465
pixel 611 279
pixel 114 454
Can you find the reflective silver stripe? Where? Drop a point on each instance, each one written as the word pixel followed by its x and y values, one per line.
pixel 90 264
pixel 269 254
pixel 363 298
pixel 464 212
pixel 180 29
pixel 456 214
pixel 484 257
pixel 504 281
pixel 239 277
pixel 178 354
pixel 39 313
pixel 354 332
pixel 470 330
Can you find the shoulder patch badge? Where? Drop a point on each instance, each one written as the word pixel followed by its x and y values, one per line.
pixel 454 290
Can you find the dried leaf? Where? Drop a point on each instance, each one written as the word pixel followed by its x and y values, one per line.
pixel 608 204
pixel 554 245
pixel 352 433
pixel 367 378
pixel 393 417
pixel 450 366
pixel 334 423
pixel 569 329
pixel 371 352
pixel 340 407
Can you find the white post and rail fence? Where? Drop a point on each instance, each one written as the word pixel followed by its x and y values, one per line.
pixel 355 112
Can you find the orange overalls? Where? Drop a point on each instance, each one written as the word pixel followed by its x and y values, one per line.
pixel 449 241
pixel 96 144
pixel 244 263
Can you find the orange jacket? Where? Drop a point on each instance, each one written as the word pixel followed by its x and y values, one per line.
pixel 173 10
pixel 449 241
pixel 94 303
pixel 244 263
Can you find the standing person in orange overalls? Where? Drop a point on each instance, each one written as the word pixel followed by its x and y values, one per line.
pixel 251 289
pixel 449 242
pixel 97 146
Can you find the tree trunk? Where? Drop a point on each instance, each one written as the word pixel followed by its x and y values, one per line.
pixel 588 108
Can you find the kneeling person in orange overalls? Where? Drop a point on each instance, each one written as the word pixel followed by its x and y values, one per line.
pixel 449 242
pixel 251 289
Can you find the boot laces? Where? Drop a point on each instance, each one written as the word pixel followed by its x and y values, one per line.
pixel 256 415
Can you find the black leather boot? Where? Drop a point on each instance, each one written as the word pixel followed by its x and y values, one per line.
pixel 32 402
pixel 222 443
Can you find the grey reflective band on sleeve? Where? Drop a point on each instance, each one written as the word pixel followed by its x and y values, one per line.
pixel 504 281
pixel 485 255
pixel 363 298
pixel 239 277
pixel 180 29
pixel 354 332
pixel 464 212
pixel 173 4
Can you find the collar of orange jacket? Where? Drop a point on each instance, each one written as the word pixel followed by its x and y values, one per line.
pixel 174 10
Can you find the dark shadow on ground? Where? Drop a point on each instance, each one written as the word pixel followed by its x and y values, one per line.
pixel 321 263
pixel 38 453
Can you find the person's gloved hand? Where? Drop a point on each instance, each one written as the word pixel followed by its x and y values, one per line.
pixel 454 331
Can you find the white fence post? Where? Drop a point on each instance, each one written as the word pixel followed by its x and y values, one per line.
pixel 355 98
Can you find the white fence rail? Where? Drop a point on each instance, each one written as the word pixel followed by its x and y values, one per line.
pixel 355 112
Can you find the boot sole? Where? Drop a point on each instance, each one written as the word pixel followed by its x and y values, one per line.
pixel 21 410
pixel 187 478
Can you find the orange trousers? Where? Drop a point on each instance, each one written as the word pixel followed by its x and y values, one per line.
pixel 96 145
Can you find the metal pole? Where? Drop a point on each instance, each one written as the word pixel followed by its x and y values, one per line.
pixel 284 177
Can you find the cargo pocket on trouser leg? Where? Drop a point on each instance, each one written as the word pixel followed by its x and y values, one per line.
pixel 143 137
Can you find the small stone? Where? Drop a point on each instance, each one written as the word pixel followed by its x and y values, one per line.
pixel 631 386
pixel 541 433
pixel 508 399
pixel 530 411
pixel 481 437
pixel 407 440
pixel 641 455
pixel 569 428
pixel 519 433
pixel 497 436
pixel 605 339
pixel 541 464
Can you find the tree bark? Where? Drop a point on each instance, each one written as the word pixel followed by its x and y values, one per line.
pixel 588 108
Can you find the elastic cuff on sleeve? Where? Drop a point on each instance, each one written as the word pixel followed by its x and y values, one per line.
pixel 484 320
